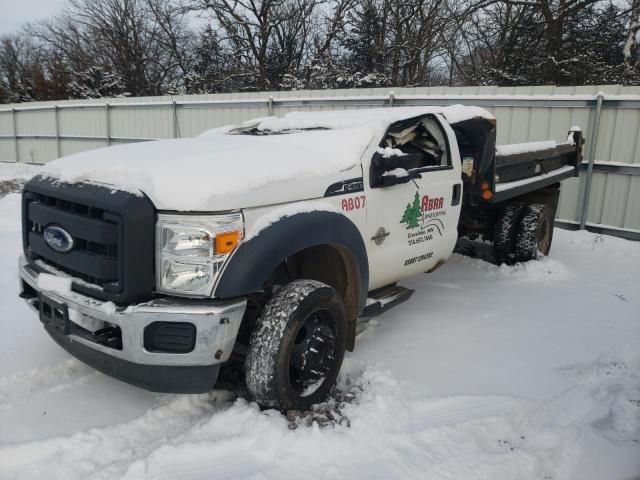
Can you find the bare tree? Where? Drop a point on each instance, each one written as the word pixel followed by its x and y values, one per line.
pixel 555 14
pixel 267 37
pixel 140 41
pixel 631 50
pixel 406 41
pixel 145 47
pixel 27 73
pixel 499 45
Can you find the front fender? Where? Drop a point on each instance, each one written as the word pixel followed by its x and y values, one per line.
pixel 255 259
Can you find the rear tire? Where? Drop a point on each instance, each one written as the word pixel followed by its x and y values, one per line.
pixel 504 238
pixel 297 347
pixel 535 233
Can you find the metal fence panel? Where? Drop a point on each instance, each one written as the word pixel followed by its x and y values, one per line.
pixel 7 150
pixel 39 132
pixel 619 135
pixel 90 122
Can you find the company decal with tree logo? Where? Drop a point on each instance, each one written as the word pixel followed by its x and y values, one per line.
pixel 421 218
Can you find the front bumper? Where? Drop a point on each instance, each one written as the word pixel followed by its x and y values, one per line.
pixel 216 324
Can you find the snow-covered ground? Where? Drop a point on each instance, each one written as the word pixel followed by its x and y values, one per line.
pixel 525 372
pixel 17 171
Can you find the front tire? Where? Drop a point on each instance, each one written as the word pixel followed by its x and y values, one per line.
pixel 297 347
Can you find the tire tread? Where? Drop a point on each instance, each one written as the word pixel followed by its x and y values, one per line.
pixel 504 238
pixel 261 362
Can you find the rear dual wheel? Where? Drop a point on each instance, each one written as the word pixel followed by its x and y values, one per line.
pixel 535 233
pixel 505 232
pixel 522 233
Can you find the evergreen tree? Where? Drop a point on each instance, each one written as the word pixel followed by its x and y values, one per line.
pixel 212 67
pixel 95 82
pixel 591 53
pixel 412 213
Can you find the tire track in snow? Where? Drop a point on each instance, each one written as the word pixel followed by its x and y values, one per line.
pixel 452 410
pixel 39 381
pixel 394 434
pixel 108 451
pixel 198 437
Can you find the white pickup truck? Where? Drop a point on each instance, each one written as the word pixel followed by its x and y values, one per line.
pixel 157 262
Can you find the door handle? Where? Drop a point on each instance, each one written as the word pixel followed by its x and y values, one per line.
pixel 457 194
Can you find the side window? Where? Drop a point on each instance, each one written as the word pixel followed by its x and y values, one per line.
pixel 422 141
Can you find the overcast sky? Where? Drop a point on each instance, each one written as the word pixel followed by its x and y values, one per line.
pixel 13 13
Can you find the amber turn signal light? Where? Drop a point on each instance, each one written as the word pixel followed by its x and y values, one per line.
pixel 485 186
pixel 487 194
pixel 226 242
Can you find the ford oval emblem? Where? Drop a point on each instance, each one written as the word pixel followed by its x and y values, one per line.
pixel 58 239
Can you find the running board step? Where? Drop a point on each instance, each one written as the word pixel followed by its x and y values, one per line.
pixel 385 298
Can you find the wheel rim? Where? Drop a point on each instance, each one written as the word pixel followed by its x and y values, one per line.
pixel 313 352
pixel 544 238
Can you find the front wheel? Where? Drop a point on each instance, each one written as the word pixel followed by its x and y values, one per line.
pixel 297 347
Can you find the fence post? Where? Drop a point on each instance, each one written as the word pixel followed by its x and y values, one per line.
pixel 15 133
pixel 174 111
pixel 392 98
pixel 270 106
pixel 107 120
pixel 593 144
pixel 56 119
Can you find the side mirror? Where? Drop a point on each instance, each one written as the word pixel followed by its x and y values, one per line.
pixel 387 171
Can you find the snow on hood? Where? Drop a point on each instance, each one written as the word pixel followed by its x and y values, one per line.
pixel 222 172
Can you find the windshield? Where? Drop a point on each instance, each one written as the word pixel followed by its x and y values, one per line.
pixel 254 130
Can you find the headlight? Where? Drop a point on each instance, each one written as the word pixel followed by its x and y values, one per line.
pixel 191 251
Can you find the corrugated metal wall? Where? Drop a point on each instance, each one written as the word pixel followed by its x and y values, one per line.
pixel 39 132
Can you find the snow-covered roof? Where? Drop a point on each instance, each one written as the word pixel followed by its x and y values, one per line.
pixel 220 170
pixel 372 117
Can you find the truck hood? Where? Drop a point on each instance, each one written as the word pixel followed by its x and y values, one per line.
pixel 222 171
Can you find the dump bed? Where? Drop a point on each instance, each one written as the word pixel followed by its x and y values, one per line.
pixel 493 174
pixel 524 167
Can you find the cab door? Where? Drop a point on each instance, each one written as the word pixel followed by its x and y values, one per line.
pixel 412 222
